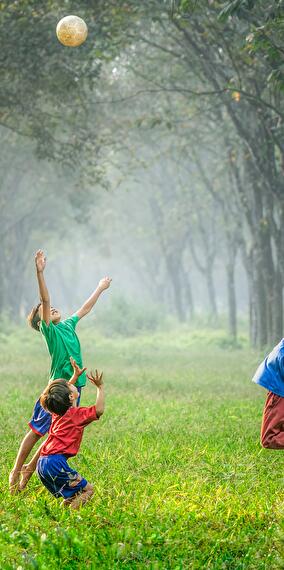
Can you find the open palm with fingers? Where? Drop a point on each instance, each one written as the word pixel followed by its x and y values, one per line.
pixel 96 379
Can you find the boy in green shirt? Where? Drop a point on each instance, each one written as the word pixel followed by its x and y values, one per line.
pixel 62 343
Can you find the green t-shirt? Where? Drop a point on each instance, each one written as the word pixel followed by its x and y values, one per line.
pixel 62 342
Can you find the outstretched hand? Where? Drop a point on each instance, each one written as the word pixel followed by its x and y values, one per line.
pixel 40 260
pixel 104 283
pixel 77 371
pixel 96 378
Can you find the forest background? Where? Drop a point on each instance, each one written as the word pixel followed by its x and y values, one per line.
pixel 153 153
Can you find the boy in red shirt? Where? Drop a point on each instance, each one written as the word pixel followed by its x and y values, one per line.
pixel 65 435
pixel 62 342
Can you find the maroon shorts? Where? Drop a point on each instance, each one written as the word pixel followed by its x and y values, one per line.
pixel 272 429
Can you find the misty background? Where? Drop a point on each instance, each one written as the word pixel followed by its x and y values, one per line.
pixel 152 154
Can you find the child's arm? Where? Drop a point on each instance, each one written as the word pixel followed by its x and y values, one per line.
pixel 40 261
pixel 97 379
pixel 88 305
pixel 77 371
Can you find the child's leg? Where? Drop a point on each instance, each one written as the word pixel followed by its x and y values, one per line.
pixel 29 468
pixel 272 429
pixel 62 481
pixel 25 448
pixel 80 499
pixel 39 424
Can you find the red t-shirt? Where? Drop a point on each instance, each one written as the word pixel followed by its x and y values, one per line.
pixel 66 431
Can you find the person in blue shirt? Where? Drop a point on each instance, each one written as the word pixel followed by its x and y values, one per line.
pixel 270 375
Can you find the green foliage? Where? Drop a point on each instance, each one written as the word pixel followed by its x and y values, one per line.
pixel 236 7
pixel 180 479
pixel 44 85
pixel 129 319
pixel 266 36
pixel 52 94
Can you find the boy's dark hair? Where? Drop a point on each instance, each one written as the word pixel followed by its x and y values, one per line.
pixel 56 397
pixel 34 317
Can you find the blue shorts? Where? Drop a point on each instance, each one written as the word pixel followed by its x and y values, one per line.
pixel 41 419
pixel 58 477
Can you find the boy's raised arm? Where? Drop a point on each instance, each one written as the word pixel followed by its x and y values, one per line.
pixel 40 261
pixel 88 305
pixel 77 371
pixel 97 380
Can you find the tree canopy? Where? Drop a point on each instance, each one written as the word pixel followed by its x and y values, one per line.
pixel 186 95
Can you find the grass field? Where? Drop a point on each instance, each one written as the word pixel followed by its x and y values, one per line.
pixel 180 478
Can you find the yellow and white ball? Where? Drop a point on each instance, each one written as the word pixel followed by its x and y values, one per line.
pixel 72 31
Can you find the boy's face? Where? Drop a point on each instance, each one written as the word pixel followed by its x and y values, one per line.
pixel 74 394
pixel 55 315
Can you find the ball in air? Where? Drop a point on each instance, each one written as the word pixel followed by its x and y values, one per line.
pixel 72 31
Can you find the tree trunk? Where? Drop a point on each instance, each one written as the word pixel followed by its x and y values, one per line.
pixel 178 296
pixel 187 290
pixel 211 291
pixel 232 303
pixel 261 305
pixel 277 331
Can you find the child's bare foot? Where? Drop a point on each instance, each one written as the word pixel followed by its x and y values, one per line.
pixel 81 498
pixel 14 481
pixel 26 473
